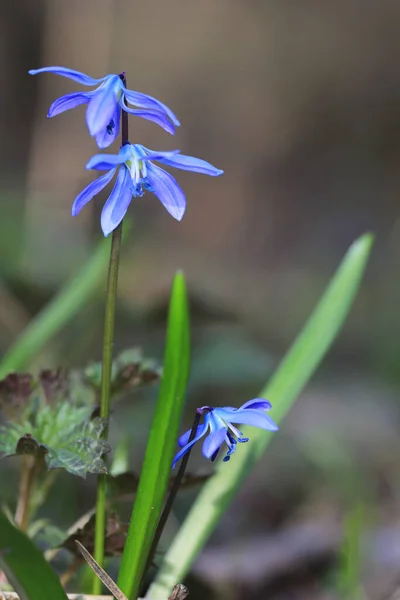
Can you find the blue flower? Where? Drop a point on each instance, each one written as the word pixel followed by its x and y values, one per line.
pixel 105 104
pixel 137 173
pixel 218 422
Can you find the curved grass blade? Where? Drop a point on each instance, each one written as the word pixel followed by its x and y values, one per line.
pixel 295 370
pixel 57 313
pixel 161 444
pixel 25 566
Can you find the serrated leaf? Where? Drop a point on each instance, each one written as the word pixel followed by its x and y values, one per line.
pixel 64 434
pixel 15 391
pixel 130 369
pixel 54 383
pixel 80 452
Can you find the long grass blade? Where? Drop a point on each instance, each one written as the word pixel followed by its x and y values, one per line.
pixel 295 370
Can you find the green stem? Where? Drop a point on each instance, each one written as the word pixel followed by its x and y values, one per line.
pixel 23 511
pixel 108 343
pixel 172 495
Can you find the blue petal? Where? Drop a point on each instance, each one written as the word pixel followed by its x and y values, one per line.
pixel 102 105
pixel 200 432
pixel 213 442
pixel 151 115
pixel 91 190
pixel 216 437
pixel 103 162
pixel 67 102
pixel 249 416
pixel 181 453
pixel 184 439
pixel 70 73
pixel 117 204
pixel 150 155
pixel 144 101
pixel 108 135
pixel 259 403
pixel 187 163
pixel 166 188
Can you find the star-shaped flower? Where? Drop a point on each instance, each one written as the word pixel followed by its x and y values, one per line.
pixel 137 173
pixel 105 103
pixel 218 423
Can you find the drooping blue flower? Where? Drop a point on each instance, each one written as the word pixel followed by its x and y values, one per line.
pixel 137 173
pixel 105 103
pixel 218 423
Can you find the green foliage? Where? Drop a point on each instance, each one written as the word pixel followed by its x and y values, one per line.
pixel 161 443
pixel 286 384
pixel 54 424
pixel 57 313
pixel 53 416
pixel 80 451
pixel 129 370
pixel 25 567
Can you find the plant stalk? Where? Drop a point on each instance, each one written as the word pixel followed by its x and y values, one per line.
pixel 23 510
pixel 172 494
pixel 108 343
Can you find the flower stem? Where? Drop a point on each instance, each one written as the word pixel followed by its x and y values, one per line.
pixel 172 495
pixel 108 343
pixel 28 472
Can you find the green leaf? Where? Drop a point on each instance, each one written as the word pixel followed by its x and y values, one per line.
pixel 81 451
pixel 55 424
pixel 161 444
pixel 57 313
pixel 129 370
pixel 25 567
pixel 294 372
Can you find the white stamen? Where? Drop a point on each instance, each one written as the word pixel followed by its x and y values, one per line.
pixel 235 431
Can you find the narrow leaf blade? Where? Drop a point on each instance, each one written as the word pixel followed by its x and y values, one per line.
pixel 25 566
pixel 161 444
pixel 294 372
pixel 57 313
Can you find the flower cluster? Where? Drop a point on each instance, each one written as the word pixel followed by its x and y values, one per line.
pixel 136 173
pixel 219 424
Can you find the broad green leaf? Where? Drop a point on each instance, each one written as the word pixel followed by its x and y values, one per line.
pixel 161 444
pixel 57 313
pixel 79 451
pixel 25 566
pixel 54 421
pixel 295 370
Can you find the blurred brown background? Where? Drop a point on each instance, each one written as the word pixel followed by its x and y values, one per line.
pixel 299 103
